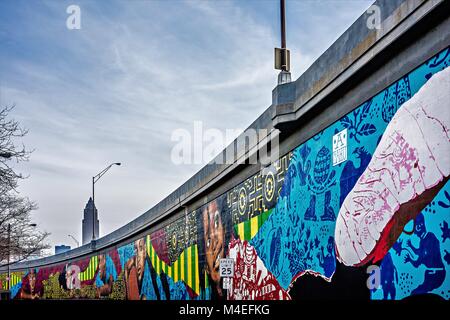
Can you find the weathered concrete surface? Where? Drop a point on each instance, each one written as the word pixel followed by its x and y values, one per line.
pixel 358 65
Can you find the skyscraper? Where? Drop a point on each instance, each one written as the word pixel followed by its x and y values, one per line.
pixel 90 216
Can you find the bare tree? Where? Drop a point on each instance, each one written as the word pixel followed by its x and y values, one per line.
pixel 18 238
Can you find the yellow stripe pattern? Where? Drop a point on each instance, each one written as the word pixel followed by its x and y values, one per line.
pixel 89 273
pixel 16 277
pixel 185 268
pixel 248 229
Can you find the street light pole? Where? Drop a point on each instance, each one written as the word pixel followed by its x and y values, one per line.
pixel 74 239
pixel 282 55
pixel 283 26
pixel 94 180
pixel 9 255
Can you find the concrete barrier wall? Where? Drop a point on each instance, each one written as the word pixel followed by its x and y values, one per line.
pixel 357 206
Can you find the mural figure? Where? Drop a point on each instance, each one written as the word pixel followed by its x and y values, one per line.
pixel 328 211
pixel 428 254
pixel 161 241
pixel 310 213
pixel 63 278
pixel 67 277
pixel 215 232
pixel 30 289
pixel 295 174
pixel 251 279
pixel 106 275
pixel 140 276
pixel 327 261
pixel 389 277
pixel 350 173
pixel 410 276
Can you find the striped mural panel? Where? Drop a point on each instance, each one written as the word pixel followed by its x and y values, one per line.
pixel 248 229
pixel 16 277
pixel 89 272
pixel 185 268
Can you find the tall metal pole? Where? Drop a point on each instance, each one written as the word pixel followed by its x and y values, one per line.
pixel 94 180
pixel 74 239
pixel 282 55
pixel 93 209
pixel 9 254
pixel 283 23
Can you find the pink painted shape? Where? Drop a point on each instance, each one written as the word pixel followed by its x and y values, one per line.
pixel 412 157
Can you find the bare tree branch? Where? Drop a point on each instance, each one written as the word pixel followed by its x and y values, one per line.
pixel 25 241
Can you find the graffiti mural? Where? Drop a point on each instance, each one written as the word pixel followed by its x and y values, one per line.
pixel 252 281
pixel 370 190
pixel 258 193
pixel 418 262
pixel 409 165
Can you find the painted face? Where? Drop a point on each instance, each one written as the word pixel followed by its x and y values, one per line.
pixel 140 257
pixel 102 266
pixel 419 228
pixel 214 240
pixel 32 280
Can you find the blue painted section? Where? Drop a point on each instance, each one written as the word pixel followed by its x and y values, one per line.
pixel 296 237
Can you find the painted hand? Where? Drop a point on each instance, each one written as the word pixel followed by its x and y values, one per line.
pixel 408 243
pixel 407 258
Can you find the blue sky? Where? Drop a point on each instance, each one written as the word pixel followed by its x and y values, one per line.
pixel 116 89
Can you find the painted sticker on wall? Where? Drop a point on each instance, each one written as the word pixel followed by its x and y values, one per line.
pixel 340 147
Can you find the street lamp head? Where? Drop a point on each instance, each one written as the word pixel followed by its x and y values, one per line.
pixel 117 163
pixel 32 224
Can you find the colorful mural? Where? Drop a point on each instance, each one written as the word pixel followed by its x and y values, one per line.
pixel 370 190
pixel 418 261
pixel 409 166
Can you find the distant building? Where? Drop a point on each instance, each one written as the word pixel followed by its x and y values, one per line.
pixel 62 248
pixel 90 217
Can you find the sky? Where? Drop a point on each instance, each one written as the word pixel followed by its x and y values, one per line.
pixel 116 90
